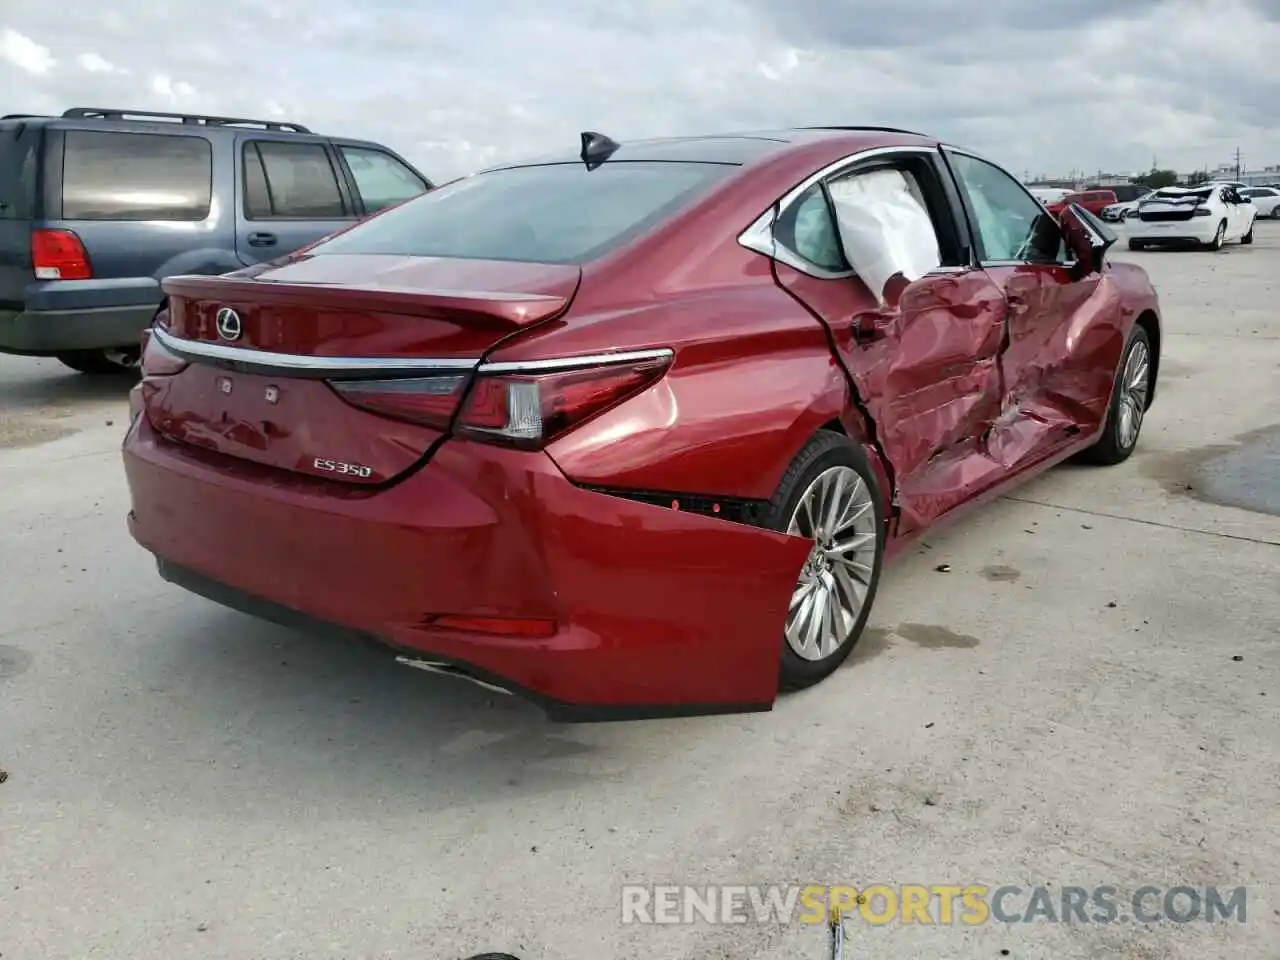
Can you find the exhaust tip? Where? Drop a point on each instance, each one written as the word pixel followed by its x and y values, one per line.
pixel 450 670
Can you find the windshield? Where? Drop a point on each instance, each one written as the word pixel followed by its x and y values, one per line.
pixel 553 213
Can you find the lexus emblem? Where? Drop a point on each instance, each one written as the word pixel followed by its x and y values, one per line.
pixel 228 324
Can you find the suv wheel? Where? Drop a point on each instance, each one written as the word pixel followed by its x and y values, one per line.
pixel 102 362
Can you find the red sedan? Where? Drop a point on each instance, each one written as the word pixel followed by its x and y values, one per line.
pixel 632 431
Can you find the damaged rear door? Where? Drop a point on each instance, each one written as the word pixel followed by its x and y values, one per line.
pixel 1064 324
pixel 877 253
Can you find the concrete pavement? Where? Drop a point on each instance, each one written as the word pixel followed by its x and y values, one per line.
pixel 1090 696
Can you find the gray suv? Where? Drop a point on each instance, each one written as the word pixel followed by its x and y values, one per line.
pixel 98 206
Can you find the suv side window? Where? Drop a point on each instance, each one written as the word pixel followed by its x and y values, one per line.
pixel 290 181
pixel 136 176
pixel 1011 226
pixel 381 179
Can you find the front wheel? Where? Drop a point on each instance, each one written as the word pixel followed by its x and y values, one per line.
pixel 1137 245
pixel 829 495
pixel 1218 237
pixel 1128 403
pixel 1248 237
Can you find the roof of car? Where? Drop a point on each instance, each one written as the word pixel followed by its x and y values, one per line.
pixel 729 148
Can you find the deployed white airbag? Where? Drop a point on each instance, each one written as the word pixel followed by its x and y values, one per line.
pixel 885 228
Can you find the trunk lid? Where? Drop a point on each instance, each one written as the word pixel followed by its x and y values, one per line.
pixel 276 385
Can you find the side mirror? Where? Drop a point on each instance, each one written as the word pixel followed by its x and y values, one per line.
pixel 1088 238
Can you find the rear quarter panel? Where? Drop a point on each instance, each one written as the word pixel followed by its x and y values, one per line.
pixel 150 250
pixel 753 379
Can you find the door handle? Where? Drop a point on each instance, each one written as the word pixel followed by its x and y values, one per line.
pixel 262 239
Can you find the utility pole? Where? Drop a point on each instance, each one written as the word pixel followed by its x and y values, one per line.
pixel 1239 164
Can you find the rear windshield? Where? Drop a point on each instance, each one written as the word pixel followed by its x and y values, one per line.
pixel 553 213
pixel 18 157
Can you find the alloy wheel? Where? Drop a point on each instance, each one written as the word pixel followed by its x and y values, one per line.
pixel 835 511
pixel 1133 394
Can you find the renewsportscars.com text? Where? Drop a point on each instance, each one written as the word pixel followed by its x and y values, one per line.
pixel 934 904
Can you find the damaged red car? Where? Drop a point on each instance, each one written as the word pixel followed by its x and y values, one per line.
pixel 633 431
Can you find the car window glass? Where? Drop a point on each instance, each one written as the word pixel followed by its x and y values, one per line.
pixel 299 182
pixel 381 179
pixel 808 230
pixel 17 176
pixel 136 176
pixel 548 213
pixel 885 226
pixel 1011 225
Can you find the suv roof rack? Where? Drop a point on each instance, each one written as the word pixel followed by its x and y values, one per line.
pixel 99 113
pixel 873 129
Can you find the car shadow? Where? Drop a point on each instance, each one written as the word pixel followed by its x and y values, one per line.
pixel 223 698
pixel 49 384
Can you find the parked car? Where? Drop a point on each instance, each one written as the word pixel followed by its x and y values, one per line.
pixel 1210 216
pixel 1048 195
pixel 1266 200
pixel 1116 212
pixel 1095 201
pixel 633 430
pixel 97 207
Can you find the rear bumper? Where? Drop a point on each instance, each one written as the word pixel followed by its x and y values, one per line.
pixel 1194 230
pixel 40 333
pixel 657 612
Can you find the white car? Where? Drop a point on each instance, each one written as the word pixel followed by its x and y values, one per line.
pixel 1118 211
pixel 1209 215
pixel 1266 200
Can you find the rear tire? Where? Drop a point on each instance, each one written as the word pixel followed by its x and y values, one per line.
pixel 831 478
pixel 102 362
pixel 1128 407
pixel 1137 245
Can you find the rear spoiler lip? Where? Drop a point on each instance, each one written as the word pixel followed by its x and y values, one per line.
pixel 505 310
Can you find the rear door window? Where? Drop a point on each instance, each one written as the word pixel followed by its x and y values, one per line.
pixel 136 176
pixel 290 181
pixel 380 178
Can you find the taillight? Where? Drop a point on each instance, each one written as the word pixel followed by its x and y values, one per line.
pixel 1202 212
pixel 427 400
pixel 529 410
pixel 521 409
pixel 158 361
pixel 59 255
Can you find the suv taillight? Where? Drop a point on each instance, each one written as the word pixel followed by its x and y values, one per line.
pixel 59 255
pixel 518 409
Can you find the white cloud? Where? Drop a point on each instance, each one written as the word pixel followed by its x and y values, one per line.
pixel 94 63
pixel 1050 86
pixel 24 54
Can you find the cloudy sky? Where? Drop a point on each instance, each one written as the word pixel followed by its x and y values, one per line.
pixel 1043 85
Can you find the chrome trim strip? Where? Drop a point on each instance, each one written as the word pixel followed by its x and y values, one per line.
pixel 386 367
pixel 307 365
pixel 572 363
